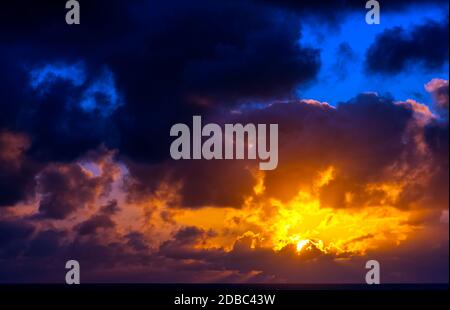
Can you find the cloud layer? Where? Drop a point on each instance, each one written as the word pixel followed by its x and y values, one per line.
pixel 85 171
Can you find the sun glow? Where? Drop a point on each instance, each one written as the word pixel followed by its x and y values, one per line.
pixel 301 244
pixel 304 224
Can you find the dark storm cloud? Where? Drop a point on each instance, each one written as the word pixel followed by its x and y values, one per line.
pixel 66 188
pixel 352 138
pixel 240 70
pixel 223 189
pixel 368 140
pixel 183 245
pixel 10 232
pixel 169 61
pixel 255 264
pixel 437 139
pixel 110 208
pixel 179 260
pixel 363 139
pixel 45 243
pixel 14 237
pixel 396 49
pixel 331 11
pixel 136 241
pixel 100 220
pixel 63 115
pixel 93 224
pixel 220 59
pixel 343 5
pixel 42 258
pixel 436 135
pixel 17 171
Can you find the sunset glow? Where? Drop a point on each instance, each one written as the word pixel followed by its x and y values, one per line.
pixel 304 223
pixel 250 141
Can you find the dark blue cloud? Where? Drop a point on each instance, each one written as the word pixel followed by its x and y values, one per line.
pixel 13 237
pixel 130 70
pixel 398 49
pixel 42 78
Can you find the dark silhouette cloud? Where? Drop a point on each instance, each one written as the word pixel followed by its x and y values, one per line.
pixel 17 170
pixel 397 49
pixel 344 5
pixel 362 139
pixel 45 244
pixel 100 220
pixel 176 63
pixel 14 238
pixel 66 188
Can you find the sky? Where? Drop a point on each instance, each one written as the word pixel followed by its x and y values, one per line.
pixel 85 116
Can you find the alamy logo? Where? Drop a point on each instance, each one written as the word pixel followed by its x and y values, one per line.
pixel 73 275
pixel 373 275
pixel 73 15
pixel 227 144
pixel 373 15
